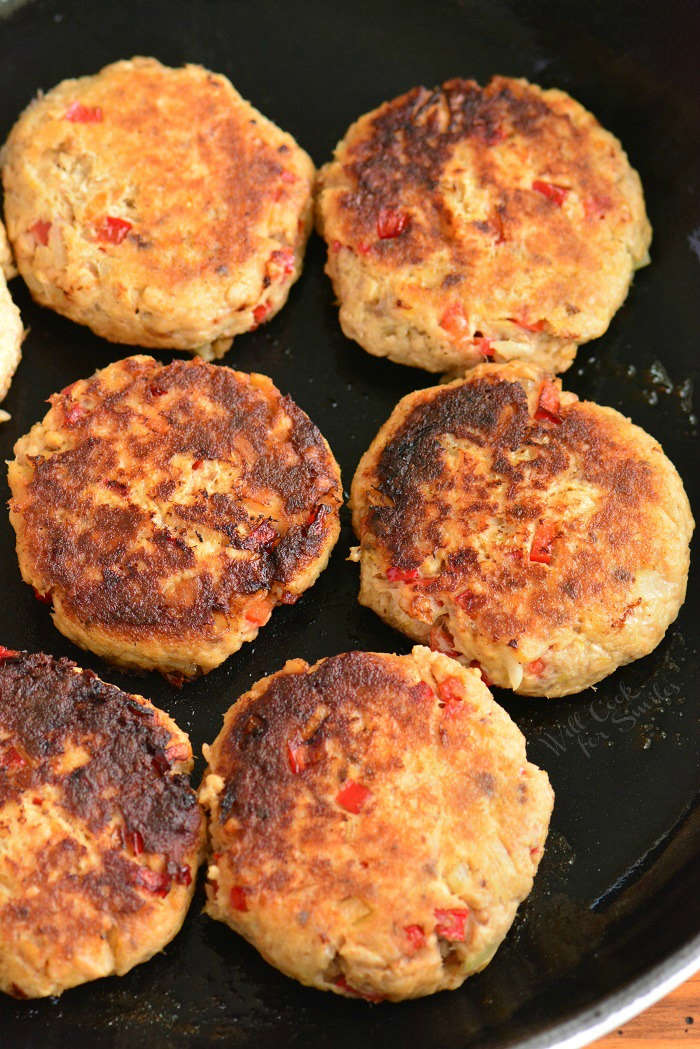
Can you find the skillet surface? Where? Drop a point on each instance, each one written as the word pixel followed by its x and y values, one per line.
pixel 615 907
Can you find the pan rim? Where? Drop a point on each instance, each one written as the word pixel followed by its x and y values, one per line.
pixel 617 1008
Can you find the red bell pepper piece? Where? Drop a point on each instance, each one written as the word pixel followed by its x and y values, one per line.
pixel 557 194
pixel 391 222
pixel 353 796
pixel 77 113
pixel 548 402
pixel 112 230
pixel 541 549
pixel 450 924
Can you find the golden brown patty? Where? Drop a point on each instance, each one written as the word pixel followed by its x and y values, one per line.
pixel 166 510
pixel 156 206
pixel 100 831
pixel 374 822
pixel 468 223
pixel 11 336
pixel 505 521
pixel 7 264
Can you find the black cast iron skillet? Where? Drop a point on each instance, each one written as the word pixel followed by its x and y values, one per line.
pixel 614 916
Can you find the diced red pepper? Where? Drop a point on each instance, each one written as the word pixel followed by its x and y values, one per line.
pixel 391 222
pixel 450 924
pixel 197 464
pixel 296 756
pixel 288 176
pixel 318 513
pixel 341 982
pixel 40 230
pixel 112 230
pixel 260 312
pixel 11 758
pixel 402 575
pixel 258 612
pixel 534 850
pixel 451 690
pixel 135 841
pixel 353 796
pixel 536 667
pixel 238 898
pixel 557 194
pixel 441 640
pixel 415 936
pixel 454 321
pixel 44 598
pixel 541 549
pixel 155 390
pixel 77 113
pixel 336 245
pixel 476 665
pixel 280 264
pixel 484 346
pixel 157 882
pixel 7 653
pixel 548 402
pixel 527 325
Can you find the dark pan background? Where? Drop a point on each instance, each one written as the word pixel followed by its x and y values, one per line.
pixel 617 894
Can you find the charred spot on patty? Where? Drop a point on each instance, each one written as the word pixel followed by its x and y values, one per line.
pixel 355 686
pixel 472 458
pixel 49 705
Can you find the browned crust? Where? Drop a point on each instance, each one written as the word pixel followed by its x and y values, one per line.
pixel 411 502
pixel 356 714
pixel 174 138
pixel 48 705
pixel 254 754
pixel 237 175
pixel 325 881
pixel 103 525
pixel 113 767
pixel 403 153
pixel 470 223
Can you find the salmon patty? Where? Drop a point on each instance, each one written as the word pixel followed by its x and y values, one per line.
pixel 374 823
pixel 7 263
pixel 165 510
pixel 100 832
pixel 11 337
pixel 156 206
pixel 503 521
pixel 469 223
